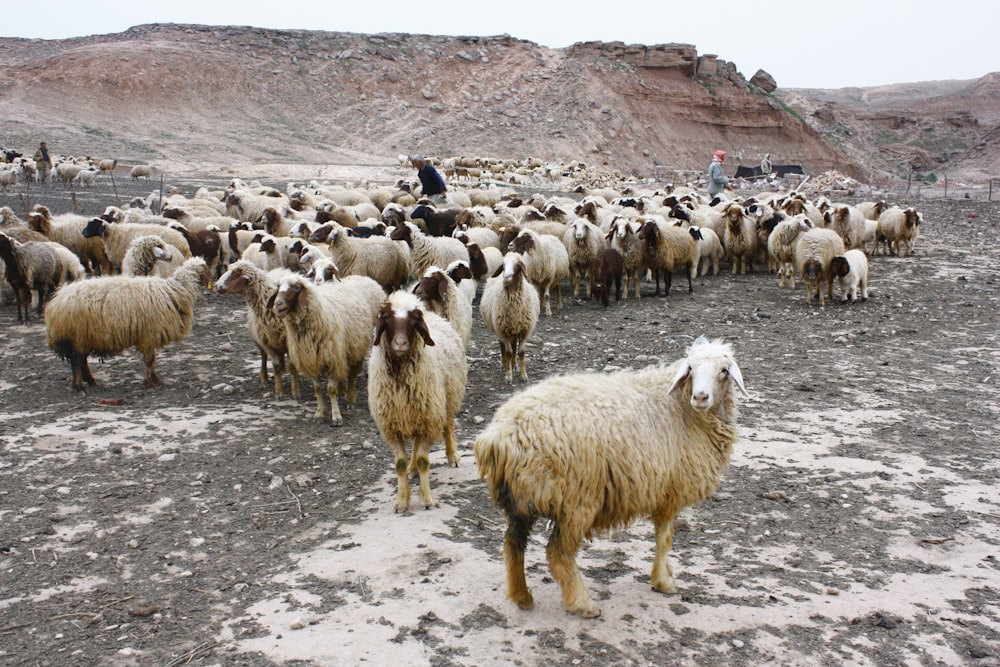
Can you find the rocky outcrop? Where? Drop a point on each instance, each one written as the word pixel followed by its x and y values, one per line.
pixel 764 81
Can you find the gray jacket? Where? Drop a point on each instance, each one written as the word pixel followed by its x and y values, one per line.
pixel 717 180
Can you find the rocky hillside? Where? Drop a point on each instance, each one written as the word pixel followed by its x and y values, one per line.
pixel 194 97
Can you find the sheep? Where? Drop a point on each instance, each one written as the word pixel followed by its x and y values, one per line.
pixel 851 270
pixel 67 229
pixel 328 330
pixel 510 306
pixel 546 264
pixel 378 257
pixel 814 251
pixel 107 165
pixel 740 239
pixel 239 237
pixel 142 255
pixel 247 206
pixel 205 243
pixel 584 241
pixel 29 266
pixel 8 179
pixel 437 221
pixel 416 383
pixel 781 245
pixel 592 452
pixel 141 171
pixel 623 237
pixel 897 230
pixel 484 236
pixel 461 273
pixel 427 251
pixel 86 177
pixel 483 261
pixel 441 295
pixel 708 250
pixel 847 221
pixel 70 267
pixel 667 248
pixel 117 237
pixel 608 269
pixel 873 209
pixel 197 219
pixel 266 330
pixel 347 216
pixel 110 314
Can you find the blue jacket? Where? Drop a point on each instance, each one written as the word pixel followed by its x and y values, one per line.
pixel 431 182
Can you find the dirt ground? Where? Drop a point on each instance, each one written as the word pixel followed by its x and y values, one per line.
pixel 205 522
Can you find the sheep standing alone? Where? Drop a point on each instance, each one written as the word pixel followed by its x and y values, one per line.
pixel 592 452
pixel 851 270
pixel 416 383
pixel 266 330
pixel 510 308
pixel 814 251
pixel 897 230
pixel 141 171
pixel 328 329
pixel 108 315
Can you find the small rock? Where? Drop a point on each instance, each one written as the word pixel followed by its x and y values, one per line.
pixel 166 458
pixel 832 591
pixel 738 643
pixel 775 495
pixel 143 608
pixel 297 624
pixel 133 544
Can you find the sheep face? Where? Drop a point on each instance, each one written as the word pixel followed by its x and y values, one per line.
pixel 323 271
pixel 839 266
pixel 286 299
pixel 650 233
pixel 522 243
pixel 95 227
pixel 459 270
pixel 709 374
pixel 695 233
pixel 233 281
pixel 399 326
pixel 512 269
pixel 432 288
pixel 812 269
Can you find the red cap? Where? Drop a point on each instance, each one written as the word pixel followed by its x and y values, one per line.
pixel 720 154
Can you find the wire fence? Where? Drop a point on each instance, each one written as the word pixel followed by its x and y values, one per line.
pixel 115 188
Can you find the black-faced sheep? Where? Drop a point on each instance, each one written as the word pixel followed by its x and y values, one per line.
pixel 607 270
pixel 708 250
pixel 546 263
pixel 416 383
pixel 204 243
pixel 118 236
pixel 510 308
pixel 851 270
pixel 266 330
pixel 667 248
pixel 814 251
pixel 108 315
pixel 593 451
pixel 67 229
pixel 441 295
pixel 328 329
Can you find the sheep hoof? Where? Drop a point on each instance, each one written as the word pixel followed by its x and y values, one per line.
pixel 401 507
pixel 593 611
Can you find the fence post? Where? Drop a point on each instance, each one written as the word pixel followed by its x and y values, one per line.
pixel 946 186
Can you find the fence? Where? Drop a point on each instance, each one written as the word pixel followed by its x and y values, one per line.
pixel 110 189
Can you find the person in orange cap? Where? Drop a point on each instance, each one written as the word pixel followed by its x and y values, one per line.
pixel 717 180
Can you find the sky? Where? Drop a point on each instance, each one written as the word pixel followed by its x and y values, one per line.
pixel 810 44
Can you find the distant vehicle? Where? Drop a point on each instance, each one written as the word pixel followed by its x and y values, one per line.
pixel 778 170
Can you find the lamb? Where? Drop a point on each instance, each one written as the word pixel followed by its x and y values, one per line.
pixel 814 251
pixel 416 383
pixel 667 248
pixel 67 229
pixel 143 254
pixel 117 237
pixel 594 451
pixel 781 245
pixel 897 230
pixel 849 222
pixel 205 243
pixel 378 257
pixel 708 250
pixel 607 270
pixel 328 329
pixel 29 266
pixel 266 330
pixel 441 295
pixel 461 273
pixel 86 177
pixel 546 263
pixel 510 306
pixel 427 251
pixel 851 270
pixel 623 236
pixel 110 314
pixel 584 241
pixel 740 239
pixel 141 171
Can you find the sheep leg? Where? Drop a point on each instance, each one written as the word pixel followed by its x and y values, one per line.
pixel 450 446
pixel 515 542
pixel 558 287
pixel 561 552
pixel 520 363
pixel 543 292
pixel 506 361
pixel 402 477
pixel 662 577
pixel 332 391
pixel 77 367
pixel 320 413
pixel 151 379
pixel 293 374
pixel 691 270
pixel 265 379
pixel 421 456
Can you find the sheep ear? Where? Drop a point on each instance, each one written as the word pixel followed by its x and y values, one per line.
pixel 420 326
pixel 380 328
pixel 498 271
pixel 270 302
pixel 734 372
pixel 682 372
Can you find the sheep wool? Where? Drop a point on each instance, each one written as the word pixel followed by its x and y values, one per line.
pixel 510 308
pixel 417 375
pixel 108 315
pixel 593 451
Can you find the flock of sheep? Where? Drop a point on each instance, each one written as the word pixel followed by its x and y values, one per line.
pixel 336 277
pixel 80 171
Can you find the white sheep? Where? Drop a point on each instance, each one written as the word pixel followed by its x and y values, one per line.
pixel 584 240
pixel 851 270
pixel 416 383
pixel 592 452
pixel 740 239
pixel 142 255
pixel 118 236
pixel 109 314
pixel 510 308
pixel 708 250
pixel 266 330
pixel 849 222
pixel 141 171
pixel 441 295
pixel 67 229
pixel 624 237
pixel 378 257
pixel 781 245
pixel 897 230
pixel 546 263
pixel 814 251
pixel 667 248
pixel 427 251
pixel 86 177
pixel 328 329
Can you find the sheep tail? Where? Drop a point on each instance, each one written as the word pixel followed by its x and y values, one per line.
pixel 497 454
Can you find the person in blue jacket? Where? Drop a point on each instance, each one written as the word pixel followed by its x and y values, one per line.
pixel 432 183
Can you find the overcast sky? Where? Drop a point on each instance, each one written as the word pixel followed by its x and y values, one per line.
pixel 801 44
